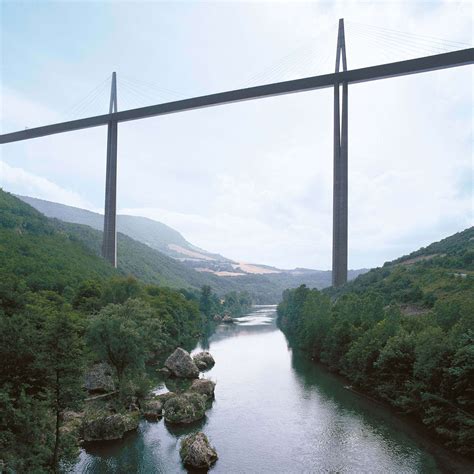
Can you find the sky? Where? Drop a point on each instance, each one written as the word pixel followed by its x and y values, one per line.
pixel 253 180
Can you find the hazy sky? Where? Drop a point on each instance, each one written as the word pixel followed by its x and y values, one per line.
pixel 253 180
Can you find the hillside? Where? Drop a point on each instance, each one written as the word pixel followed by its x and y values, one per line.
pixel 33 252
pixel 402 333
pixel 157 254
pixel 142 261
pixel 155 234
pixel 153 267
pixel 170 242
pixel 416 281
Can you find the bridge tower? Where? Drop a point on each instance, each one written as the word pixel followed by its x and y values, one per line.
pixel 339 236
pixel 109 243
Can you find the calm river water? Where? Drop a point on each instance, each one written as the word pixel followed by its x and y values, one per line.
pixel 276 412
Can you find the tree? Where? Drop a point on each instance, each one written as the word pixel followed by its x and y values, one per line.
pixel 88 297
pixel 205 301
pixel 63 361
pixel 116 335
pixel 119 289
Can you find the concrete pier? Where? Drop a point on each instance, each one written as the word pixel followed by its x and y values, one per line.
pixel 109 243
pixel 340 177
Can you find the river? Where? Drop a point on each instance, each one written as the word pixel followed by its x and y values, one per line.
pixel 276 412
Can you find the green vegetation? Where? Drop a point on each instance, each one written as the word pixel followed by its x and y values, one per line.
pixel 403 333
pixel 144 250
pixel 234 304
pixel 157 235
pixel 62 309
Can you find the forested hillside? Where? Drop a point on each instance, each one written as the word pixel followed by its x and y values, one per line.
pixel 62 309
pixel 155 234
pixel 419 279
pixel 142 261
pixel 147 250
pixel 403 333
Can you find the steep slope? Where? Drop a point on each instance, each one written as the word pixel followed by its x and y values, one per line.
pixel 419 279
pixel 142 261
pixel 33 250
pixel 155 234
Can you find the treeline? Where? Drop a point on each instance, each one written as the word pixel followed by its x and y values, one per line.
pixel 234 303
pixel 422 365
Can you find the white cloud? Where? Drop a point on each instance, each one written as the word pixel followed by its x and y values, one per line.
pixel 19 181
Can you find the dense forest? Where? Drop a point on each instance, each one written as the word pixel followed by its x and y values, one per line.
pixel 403 333
pixel 62 309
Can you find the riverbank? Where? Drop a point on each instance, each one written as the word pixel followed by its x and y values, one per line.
pixel 419 365
pixel 286 415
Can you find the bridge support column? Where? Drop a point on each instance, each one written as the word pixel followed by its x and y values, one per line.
pixel 109 242
pixel 340 178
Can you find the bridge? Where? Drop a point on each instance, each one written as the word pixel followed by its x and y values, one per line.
pixel 338 80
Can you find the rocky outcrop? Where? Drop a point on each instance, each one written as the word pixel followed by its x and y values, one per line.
pixel 227 319
pixel 185 408
pixel 152 409
pixel 98 379
pixel 204 387
pixel 196 451
pixel 105 426
pixel 180 364
pixel 204 360
pixel 217 318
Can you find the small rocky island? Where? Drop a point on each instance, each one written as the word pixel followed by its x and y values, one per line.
pixel 107 418
pixel 197 452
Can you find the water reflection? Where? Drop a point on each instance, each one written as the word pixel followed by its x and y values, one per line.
pixel 260 320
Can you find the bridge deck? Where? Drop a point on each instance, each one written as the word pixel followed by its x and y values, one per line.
pixel 401 68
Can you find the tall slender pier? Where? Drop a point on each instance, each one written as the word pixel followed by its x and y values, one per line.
pixel 109 244
pixel 339 224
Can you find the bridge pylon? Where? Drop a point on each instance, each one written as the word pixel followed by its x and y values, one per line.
pixel 109 242
pixel 340 177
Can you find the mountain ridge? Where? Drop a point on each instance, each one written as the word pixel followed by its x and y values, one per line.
pixel 151 265
pixel 161 237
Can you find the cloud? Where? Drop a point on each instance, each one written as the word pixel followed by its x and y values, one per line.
pixel 19 181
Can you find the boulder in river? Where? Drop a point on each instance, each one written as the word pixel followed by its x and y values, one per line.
pixel 197 452
pixel 108 426
pixel 180 364
pixel 227 319
pixel 204 387
pixel 185 408
pixel 204 360
pixel 152 409
pixel 98 379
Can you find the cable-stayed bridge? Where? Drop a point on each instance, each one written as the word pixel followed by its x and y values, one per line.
pixel 436 54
